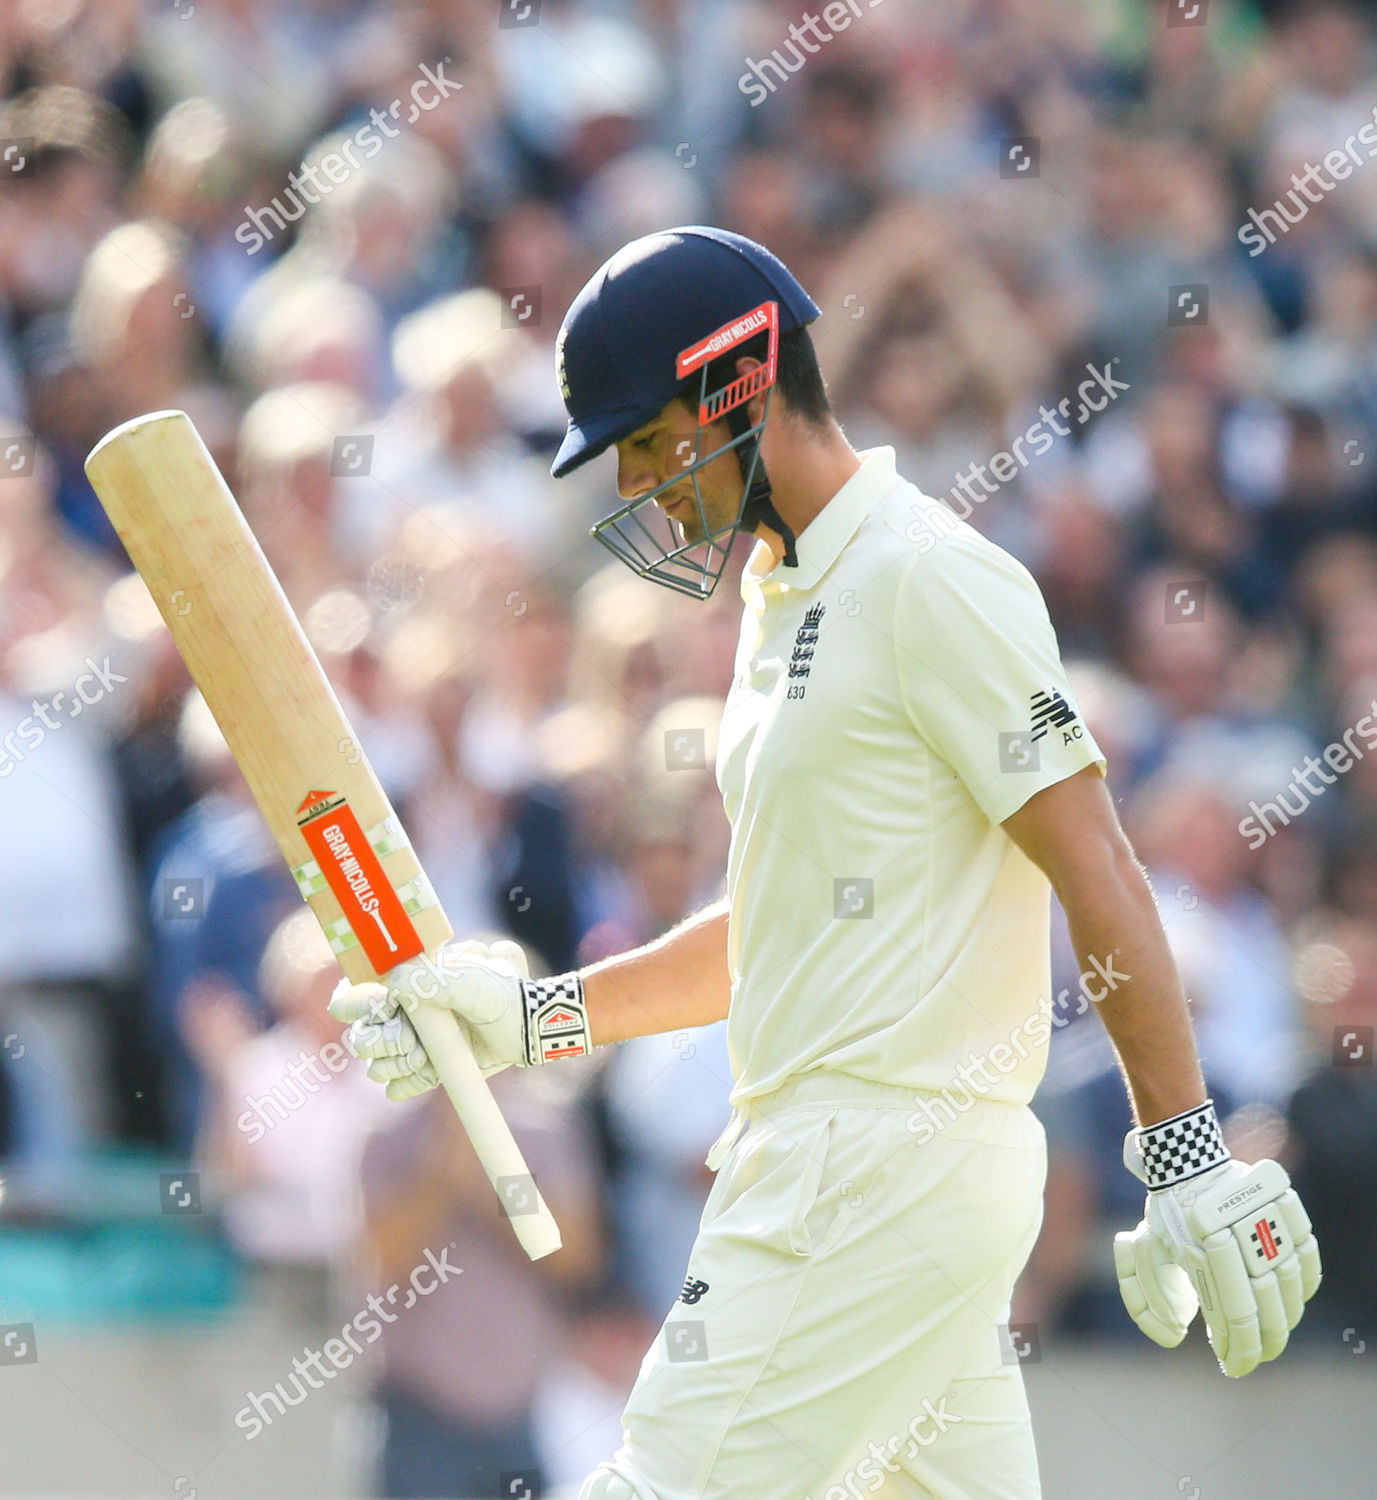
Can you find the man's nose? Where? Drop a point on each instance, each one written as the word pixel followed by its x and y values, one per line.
pixel 635 477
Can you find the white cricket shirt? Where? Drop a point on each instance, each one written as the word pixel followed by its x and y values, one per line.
pixel 896 696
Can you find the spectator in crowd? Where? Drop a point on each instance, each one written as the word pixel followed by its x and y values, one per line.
pixel 667 1094
pixel 667 1102
pixel 145 746
pixel 195 175
pixel 578 1407
pixel 252 58
pixel 292 464
pixel 312 329
pixel 133 321
pixel 491 829
pixel 71 143
pixel 664 1097
pixel 285 1115
pixel 219 890
pixel 1226 942
pixel 69 933
pixel 461 1369
pixel 1332 1120
pixel 451 440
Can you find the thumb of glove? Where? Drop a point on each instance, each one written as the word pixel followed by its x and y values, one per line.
pixel 1156 1292
pixel 514 954
pixel 360 1002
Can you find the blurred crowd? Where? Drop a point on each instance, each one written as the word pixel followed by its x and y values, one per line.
pixel 342 234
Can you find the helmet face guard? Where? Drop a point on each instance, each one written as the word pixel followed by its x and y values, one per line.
pixel 641 534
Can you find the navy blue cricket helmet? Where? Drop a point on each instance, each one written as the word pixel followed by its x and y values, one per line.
pixel 653 316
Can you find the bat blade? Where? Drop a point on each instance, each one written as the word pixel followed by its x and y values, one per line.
pixel 326 809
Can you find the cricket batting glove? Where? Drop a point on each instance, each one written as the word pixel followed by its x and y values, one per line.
pixel 510 1018
pixel 1231 1241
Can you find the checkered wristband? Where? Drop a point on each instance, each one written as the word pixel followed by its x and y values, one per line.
pixel 556 1019
pixel 1175 1150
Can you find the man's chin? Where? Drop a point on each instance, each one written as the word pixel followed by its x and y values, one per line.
pixel 693 526
pixel 689 527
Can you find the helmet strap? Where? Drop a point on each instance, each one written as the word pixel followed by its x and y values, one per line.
pixel 759 506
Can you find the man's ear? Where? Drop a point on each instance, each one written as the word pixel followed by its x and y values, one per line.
pixel 755 408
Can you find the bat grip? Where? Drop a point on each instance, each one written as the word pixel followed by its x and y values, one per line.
pixel 452 1057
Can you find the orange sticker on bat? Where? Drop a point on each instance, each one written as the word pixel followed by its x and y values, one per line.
pixel 355 875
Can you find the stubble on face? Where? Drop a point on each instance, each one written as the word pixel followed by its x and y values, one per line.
pixel 719 486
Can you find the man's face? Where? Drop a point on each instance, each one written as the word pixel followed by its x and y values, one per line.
pixel 663 448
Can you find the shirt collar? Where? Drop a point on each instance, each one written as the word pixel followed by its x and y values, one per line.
pixel 821 541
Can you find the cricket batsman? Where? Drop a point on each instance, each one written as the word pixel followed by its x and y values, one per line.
pixel 907 778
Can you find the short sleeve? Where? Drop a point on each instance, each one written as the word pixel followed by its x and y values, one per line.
pixel 981 676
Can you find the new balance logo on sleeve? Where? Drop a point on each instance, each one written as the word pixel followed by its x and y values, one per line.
pixel 693 1291
pixel 1052 711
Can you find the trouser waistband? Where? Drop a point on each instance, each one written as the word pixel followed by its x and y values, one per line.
pixel 822 1088
pixel 825 1087
pixel 978 1117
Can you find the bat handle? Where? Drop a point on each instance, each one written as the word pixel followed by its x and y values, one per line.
pixel 452 1057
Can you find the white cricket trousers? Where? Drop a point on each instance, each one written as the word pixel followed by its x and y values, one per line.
pixel 838 1335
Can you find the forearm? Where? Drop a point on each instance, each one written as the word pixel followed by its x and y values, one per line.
pixel 679 980
pixel 1129 970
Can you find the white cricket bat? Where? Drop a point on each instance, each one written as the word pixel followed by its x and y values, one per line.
pixel 330 816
